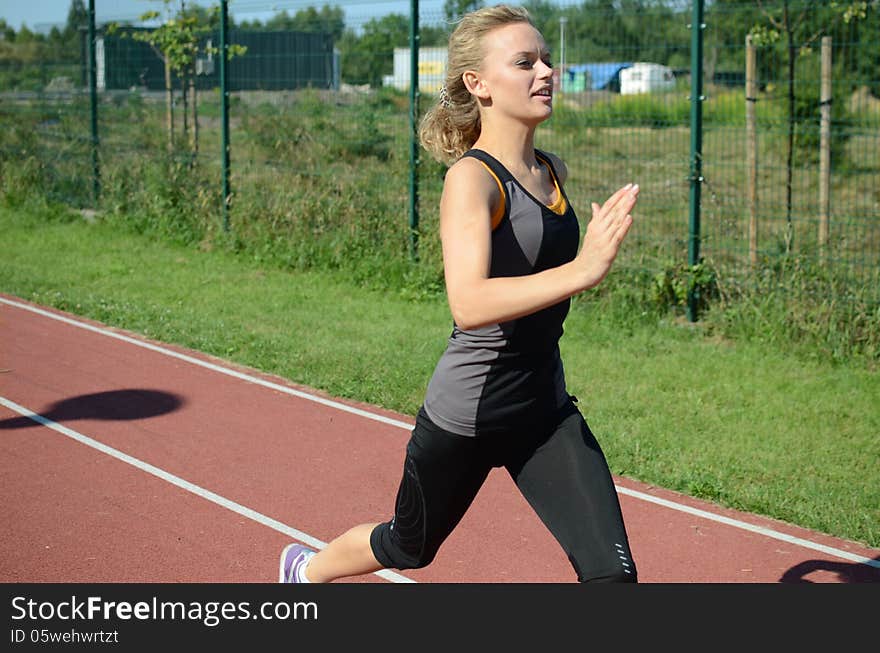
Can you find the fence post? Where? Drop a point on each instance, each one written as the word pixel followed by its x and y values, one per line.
pixel 414 129
pixel 224 109
pixel 93 106
pixel 825 147
pixel 696 155
pixel 752 148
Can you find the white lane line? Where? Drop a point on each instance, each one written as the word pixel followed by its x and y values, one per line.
pixel 199 491
pixel 845 555
pixel 211 366
pixel 767 532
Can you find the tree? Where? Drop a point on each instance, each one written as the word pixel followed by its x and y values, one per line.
pixel 798 30
pixel 329 20
pixel 863 34
pixel 177 42
pixel 455 9
pixel 367 58
pixel 27 36
pixel 77 18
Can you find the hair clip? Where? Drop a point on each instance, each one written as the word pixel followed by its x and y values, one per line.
pixel 444 97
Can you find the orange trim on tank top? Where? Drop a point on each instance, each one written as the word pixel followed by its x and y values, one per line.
pixel 498 213
pixel 558 207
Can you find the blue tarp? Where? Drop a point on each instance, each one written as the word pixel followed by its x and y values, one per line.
pixel 600 74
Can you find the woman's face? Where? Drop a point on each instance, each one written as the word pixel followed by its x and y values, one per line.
pixel 516 74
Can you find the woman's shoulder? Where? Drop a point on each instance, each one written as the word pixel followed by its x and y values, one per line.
pixel 469 171
pixel 471 187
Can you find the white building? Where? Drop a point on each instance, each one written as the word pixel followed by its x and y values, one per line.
pixel 432 69
pixel 644 77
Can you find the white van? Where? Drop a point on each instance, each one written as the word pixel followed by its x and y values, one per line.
pixel 644 77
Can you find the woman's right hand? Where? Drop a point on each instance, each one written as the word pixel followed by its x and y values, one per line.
pixel 605 232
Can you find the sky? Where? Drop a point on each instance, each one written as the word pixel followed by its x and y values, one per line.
pixel 42 15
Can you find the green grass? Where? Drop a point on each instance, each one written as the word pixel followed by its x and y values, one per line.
pixel 746 423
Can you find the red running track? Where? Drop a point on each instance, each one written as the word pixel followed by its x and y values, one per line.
pixel 128 460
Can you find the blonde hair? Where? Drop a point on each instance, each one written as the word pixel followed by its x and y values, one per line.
pixel 452 125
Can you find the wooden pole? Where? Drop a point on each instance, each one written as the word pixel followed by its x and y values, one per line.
pixel 93 105
pixel 825 147
pixel 195 112
pixel 169 106
pixel 224 109
pixel 752 149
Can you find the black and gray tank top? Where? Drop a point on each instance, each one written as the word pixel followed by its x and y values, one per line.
pixel 509 375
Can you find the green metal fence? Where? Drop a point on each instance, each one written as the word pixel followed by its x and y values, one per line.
pixel 307 157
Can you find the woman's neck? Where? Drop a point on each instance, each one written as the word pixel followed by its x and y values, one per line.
pixel 511 143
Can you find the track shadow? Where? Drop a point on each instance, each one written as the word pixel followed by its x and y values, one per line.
pixel 847 572
pixel 117 405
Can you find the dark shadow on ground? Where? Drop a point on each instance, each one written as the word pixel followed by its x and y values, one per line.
pixel 112 405
pixel 847 572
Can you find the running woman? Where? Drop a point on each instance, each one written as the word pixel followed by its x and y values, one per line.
pixel 498 395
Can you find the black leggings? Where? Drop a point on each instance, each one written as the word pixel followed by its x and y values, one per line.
pixel 562 473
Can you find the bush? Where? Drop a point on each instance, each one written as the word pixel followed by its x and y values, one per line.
pixel 678 282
